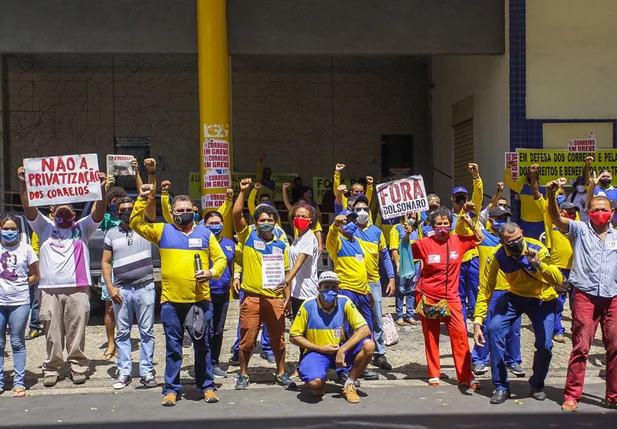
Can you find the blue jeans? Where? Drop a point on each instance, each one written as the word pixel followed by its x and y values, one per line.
pixel 407 299
pixel 172 316
pixel 561 300
pixel 480 355
pixel 220 305
pixel 469 279
pixel 265 337
pixel 137 302
pixel 16 316
pixel 363 304
pixel 377 313
pixel 35 322
pixel 508 309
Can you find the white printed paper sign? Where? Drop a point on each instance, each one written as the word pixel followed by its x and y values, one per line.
pixel 582 145
pixel 273 271
pixel 62 179
pixel 401 197
pixel 120 165
pixel 512 157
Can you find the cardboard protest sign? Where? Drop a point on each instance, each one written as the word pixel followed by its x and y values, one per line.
pixel 582 145
pixel 62 179
pixel 401 197
pixel 120 165
pixel 513 158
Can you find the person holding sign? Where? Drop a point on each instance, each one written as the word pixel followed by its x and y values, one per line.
pixel 65 280
pixel 318 329
pixel 185 287
pixel 532 219
pixel 535 282
pixel 603 185
pixel 265 261
pixel 438 300
pixel 594 300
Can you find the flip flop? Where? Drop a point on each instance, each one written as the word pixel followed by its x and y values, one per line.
pixel 19 392
pixel 569 406
pixel 108 356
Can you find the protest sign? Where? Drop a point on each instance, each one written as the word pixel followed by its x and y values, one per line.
pixel 582 145
pixel 512 157
pixel 217 163
pixel 120 165
pixel 62 179
pixel 273 271
pixel 401 197
pixel 279 179
pixel 563 163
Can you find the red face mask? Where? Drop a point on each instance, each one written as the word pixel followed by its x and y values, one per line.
pixel 302 224
pixel 570 215
pixel 599 218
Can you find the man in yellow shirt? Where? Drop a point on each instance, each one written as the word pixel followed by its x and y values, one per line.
pixel 184 287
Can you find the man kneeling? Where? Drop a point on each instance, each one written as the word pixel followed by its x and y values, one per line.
pixel 319 329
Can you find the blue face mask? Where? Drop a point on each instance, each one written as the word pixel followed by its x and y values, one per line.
pixel 560 199
pixel 498 224
pixel 113 208
pixel 10 236
pixel 216 229
pixel 265 228
pixel 196 217
pixel 349 228
pixel 328 295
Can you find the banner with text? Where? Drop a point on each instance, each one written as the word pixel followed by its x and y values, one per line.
pixel 194 185
pixel 402 197
pixel 563 163
pixel 120 165
pixel 62 179
pixel 278 178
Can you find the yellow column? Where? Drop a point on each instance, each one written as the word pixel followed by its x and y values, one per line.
pixel 214 105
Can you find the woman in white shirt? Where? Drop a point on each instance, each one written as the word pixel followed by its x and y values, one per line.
pixel 19 268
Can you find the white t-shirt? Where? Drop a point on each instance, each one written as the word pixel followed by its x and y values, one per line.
pixel 64 255
pixel 14 263
pixel 304 285
pixel 579 200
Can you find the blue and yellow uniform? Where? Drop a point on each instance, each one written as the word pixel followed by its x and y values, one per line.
pixel 322 327
pixel 610 192
pixel 532 219
pixel 222 285
pixel 373 244
pixel 178 254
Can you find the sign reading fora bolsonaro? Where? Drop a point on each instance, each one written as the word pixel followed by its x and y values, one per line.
pixel 401 197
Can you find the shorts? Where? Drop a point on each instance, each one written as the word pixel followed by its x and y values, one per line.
pixel 104 295
pixel 315 365
pixel 256 309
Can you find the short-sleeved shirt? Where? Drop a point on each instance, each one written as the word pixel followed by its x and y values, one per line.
pixel 132 257
pixel 14 263
pixel 348 259
pixel 304 284
pixel 64 255
pixel 321 327
pixel 610 193
pixel 253 249
pixel 222 285
pixel 434 254
pixel 594 266
pixel 372 241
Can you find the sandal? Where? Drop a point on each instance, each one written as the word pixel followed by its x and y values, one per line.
pixel 569 406
pixel 19 392
pixel 434 381
pixel 473 384
pixel 108 356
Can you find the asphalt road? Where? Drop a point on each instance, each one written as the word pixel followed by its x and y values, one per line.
pixel 394 406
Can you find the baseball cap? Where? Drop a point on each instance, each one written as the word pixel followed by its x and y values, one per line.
pixel 498 211
pixel 328 276
pixel 459 190
pixel 567 205
pixel 348 213
pixel 580 180
pixel 360 199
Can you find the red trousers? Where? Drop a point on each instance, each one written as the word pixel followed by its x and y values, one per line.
pixel 587 312
pixel 457 329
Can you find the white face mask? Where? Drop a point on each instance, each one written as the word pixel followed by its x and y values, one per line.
pixel 580 189
pixel 363 216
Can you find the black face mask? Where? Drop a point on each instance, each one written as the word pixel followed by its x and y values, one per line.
pixel 460 199
pixel 184 219
pixel 516 248
pixel 125 216
pixel 605 181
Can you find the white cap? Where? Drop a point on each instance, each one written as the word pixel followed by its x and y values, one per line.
pixel 328 276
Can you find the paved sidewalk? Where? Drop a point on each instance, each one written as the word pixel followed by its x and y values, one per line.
pixel 407 357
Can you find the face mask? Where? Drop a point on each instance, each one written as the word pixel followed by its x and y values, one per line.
pixel 600 219
pixel 184 219
pixel 267 202
pixel 328 295
pixel 125 216
pixel 412 221
pixel 442 230
pixel 216 229
pixel 10 236
pixel 580 189
pixel 196 217
pixel 570 215
pixel 64 221
pixel 605 181
pixel 498 224
pixel 363 216
pixel 265 228
pixel 349 228
pixel 309 196
pixel 460 199
pixel 302 224
pixel 516 248
pixel 113 208
pixel 560 199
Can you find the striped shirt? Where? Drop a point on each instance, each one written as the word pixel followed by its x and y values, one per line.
pixel 132 255
pixel 594 268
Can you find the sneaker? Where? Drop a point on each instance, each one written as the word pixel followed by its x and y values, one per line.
pixel 268 357
pixel 34 333
pixel 242 382
pixel 234 359
pixel 218 372
pixel 285 381
pixel 148 381
pixel 369 375
pixel 381 362
pixel 401 322
pixel 169 400
pixel 412 321
pixel 480 369
pixel 559 338
pixel 78 377
pixel 50 380
pixel 517 370
pixel 434 381
pixel 210 397
pixel 343 379
pixel 186 341
pixel 350 394
pixel 500 396
pixel 121 382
